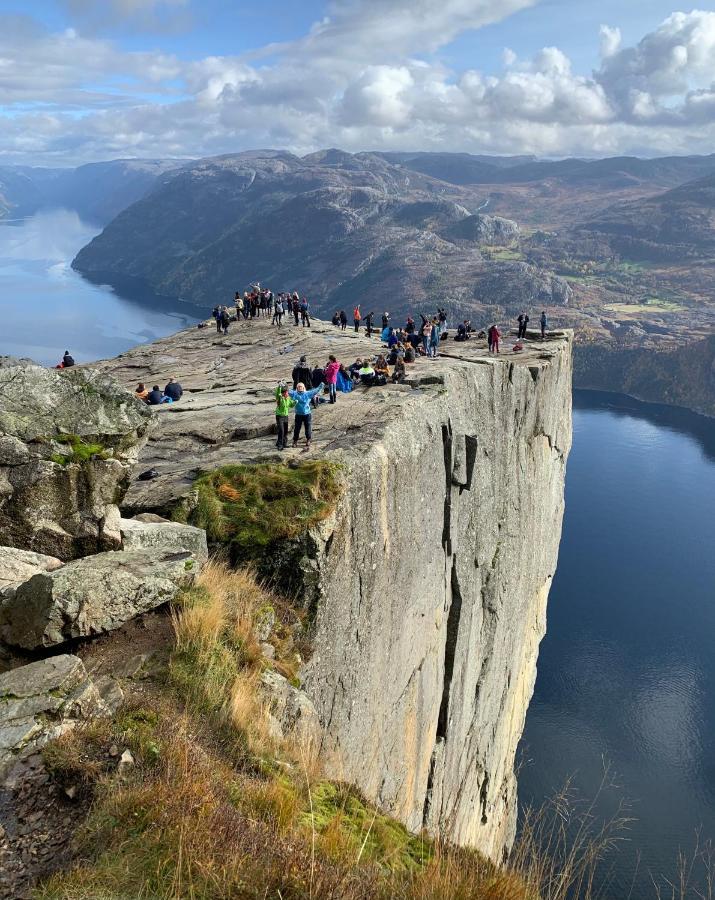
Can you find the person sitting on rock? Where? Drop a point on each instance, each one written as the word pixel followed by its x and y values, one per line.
pixel 173 389
pixel 156 396
pixel 463 331
pixel 398 373
pixel 410 354
pixel 382 372
pixel 141 393
pixel 344 380
pixel 367 374
pixel 392 339
pixel 67 360
pixel 303 412
pixel 354 369
pixel 336 318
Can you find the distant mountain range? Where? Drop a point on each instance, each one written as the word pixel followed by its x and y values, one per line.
pixel 97 191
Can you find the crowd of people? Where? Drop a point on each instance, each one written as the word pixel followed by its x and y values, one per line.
pixel 262 302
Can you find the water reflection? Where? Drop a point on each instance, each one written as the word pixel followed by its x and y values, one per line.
pixel 627 670
pixel 47 307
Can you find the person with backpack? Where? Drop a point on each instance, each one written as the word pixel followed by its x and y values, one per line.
pixel 225 320
pixel 304 316
pixel 544 324
pixel 357 318
pixel 331 377
pixel 284 404
pixel 304 412
pixel 278 313
pixel 301 372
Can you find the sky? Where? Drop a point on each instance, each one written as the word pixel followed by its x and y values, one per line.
pixel 88 80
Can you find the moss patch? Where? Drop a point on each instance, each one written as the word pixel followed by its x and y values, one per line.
pixel 77 450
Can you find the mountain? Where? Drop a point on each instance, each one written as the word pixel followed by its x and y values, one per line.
pixel 676 224
pixel 96 191
pixel 341 227
pixel 615 172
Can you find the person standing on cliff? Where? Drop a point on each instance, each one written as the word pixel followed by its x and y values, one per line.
pixel 368 323
pixel 493 336
pixel 357 318
pixel 343 320
pixel 284 404
pixel 304 412
pixel 330 375
pixel 544 324
pixel 225 320
pixel 523 321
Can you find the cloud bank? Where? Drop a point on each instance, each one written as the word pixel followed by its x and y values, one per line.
pixel 368 76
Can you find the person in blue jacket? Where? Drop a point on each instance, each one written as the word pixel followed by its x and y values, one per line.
pixel 304 412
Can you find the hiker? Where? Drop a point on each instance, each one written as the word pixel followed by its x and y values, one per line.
pixel 410 325
pixel 67 360
pixel 336 319
pixel 426 335
pixel 304 317
pixel 173 389
pixel 217 315
pixel 295 306
pixel 398 373
pixel 523 321
pixel 155 396
pixel 278 313
pixel 141 393
pixel 331 377
pixel 366 374
pixel 225 320
pixel 434 339
pixel 392 339
pixel 303 412
pixel 493 336
pixel 368 323
pixel 357 318
pixel 284 404
pixel 442 318
pixel 301 372
pixel 343 320
pixel 544 324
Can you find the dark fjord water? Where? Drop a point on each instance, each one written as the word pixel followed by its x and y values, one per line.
pixel 46 307
pixel 627 668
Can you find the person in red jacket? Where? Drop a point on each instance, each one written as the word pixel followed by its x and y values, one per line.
pixel 331 377
pixel 357 318
pixel 493 336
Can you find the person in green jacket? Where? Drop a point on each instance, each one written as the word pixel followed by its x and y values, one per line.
pixel 284 404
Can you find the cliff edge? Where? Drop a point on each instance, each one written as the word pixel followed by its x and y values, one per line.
pixel 428 584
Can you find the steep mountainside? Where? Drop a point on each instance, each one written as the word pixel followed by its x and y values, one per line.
pixel 676 224
pixel 97 191
pixel 338 227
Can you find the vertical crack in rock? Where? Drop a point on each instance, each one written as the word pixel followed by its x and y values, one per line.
pixel 470 445
pixel 455 613
pixel 447 527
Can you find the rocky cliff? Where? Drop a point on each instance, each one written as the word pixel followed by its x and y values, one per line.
pixel 429 582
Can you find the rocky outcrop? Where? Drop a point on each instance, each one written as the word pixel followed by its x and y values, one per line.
pixel 68 440
pixel 92 595
pixel 428 584
pixel 518 286
pixel 40 701
pixel 480 229
pixel 17 566
pixel 164 537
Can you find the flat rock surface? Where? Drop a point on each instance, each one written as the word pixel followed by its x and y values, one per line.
pixel 227 412
pixel 93 595
pixel 164 537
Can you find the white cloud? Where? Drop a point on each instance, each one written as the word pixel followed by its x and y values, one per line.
pixel 353 81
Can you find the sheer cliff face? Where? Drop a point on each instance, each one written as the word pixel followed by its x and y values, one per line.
pixel 432 576
pixel 434 584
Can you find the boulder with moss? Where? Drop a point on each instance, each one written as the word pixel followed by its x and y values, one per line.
pixel 69 440
pixel 93 595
